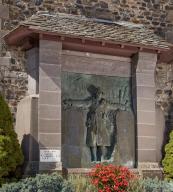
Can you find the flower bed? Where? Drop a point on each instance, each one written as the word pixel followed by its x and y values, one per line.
pixel 110 178
pixel 102 178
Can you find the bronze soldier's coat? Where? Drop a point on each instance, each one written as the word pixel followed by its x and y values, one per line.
pixel 98 126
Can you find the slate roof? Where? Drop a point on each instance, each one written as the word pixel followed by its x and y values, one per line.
pixel 78 26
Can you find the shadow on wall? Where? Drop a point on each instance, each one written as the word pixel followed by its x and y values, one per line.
pixel 30 149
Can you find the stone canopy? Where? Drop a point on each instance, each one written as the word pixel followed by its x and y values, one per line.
pixel 95 29
pixel 124 35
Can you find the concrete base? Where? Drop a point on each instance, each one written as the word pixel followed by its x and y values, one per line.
pixel 150 169
pixel 148 165
pixel 49 167
pixel 153 173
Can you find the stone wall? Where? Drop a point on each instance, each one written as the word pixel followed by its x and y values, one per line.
pixel 156 14
pixel 13 79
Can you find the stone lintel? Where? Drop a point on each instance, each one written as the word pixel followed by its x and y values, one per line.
pixel 91 64
pixel 96 56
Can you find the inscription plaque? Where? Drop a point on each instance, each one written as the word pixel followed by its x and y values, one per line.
pixel 50 155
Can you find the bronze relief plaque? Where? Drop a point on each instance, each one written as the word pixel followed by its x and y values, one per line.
pixel 97 119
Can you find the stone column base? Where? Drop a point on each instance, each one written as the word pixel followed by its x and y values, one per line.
pixel 49 167
pixel 148 165
pixel 150 169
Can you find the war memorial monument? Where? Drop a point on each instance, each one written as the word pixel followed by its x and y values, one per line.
pixel 91 92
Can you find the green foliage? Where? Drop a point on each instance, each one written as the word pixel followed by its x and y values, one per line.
pixel 82 183
pixel 168 160
pixel 136 185
pixel 156 185
pixel 41 183
pixel 10 152
pixel 150 185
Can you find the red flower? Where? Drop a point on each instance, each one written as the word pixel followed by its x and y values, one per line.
pixel 110 178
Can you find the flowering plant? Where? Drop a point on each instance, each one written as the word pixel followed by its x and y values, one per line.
pixel 110 178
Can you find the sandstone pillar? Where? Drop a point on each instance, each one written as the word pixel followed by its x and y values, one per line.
pixel 49 110
pixel 145 106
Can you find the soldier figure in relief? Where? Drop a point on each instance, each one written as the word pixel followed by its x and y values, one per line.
pixel 99 130
pixel 99 126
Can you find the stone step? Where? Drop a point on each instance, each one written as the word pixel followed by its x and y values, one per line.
pixel 85 171
pixel 151 173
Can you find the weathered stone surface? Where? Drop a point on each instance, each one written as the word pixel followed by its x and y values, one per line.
pixel 147 155
pixel 148 92
pixel 145 104
pixel 145 130
pixel 55 98
pixel 32 66
pixel 4 11
pixel 27 131
pixel 146 115
pixel 160 124
pixel 98 66
pixel 13 79
pixel 125 147
pixel 49 110
pixel 153 173
pixel 50 167
pixel 81 27
pixel 47 71
pixel 147 142
pixel 146 63
pixel 50 126
pixel 169 36
pixel 148 12
pixel 47 55
pixel 170 16
pixel 5 61
pixel 49 140
pixel 50 84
